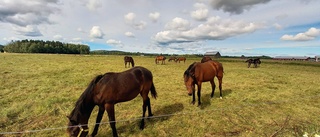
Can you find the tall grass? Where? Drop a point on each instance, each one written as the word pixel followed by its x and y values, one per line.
pixel 38 91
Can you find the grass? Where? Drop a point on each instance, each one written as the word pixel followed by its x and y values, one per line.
pixel 38 91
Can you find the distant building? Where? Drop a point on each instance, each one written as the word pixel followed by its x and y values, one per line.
pixel 317 58
pixel 214 54
pixel 301 58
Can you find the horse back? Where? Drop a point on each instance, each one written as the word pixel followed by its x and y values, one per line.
pixel 205 71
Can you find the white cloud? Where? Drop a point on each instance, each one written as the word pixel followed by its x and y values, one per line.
pixel 277 26
pixel 201 13
pixel 311 34
pixel 29 30
pixel 130 20
pixel 154 16
pixel 129 34
pixel 178 24
pixel 96 32
pixel 22 13
pixel 57 37
pixel 94 4
pixel 130 17
pixel 214 29
pixel 113 42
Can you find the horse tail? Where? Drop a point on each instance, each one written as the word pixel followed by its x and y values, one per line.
pixel 155 60
pixel 132 63
pixel 153 91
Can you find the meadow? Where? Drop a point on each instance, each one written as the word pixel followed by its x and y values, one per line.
pixel 280 98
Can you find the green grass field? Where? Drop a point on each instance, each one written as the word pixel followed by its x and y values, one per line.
pixel 279 98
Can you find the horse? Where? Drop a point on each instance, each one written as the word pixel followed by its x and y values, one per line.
pixel 180 59
pixel 128 59
pixel 172 58
pixel 253 61
pixel 160 58
pixel 197 73
pixel 105 91
pixel 205 59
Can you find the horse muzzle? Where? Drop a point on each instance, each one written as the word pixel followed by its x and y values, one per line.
pixel 190 94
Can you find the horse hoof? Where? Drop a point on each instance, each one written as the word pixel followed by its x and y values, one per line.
pixel 193 102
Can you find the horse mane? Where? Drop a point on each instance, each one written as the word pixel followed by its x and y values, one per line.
pixel 187 72
pixel 80 105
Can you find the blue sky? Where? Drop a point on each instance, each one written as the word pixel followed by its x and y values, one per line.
pixel 232 27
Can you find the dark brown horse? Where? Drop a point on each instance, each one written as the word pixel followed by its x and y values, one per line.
pixel 129 60
pixel 181 59
pixel 172 59
pixel 205 59
pixel 160 58
pixel 255 62
pixel 203 72
pixel 107 90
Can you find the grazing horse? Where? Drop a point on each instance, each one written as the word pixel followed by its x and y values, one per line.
pixel 128 59
pixel 181 59
pixel 197 73
pixel 205 59
pixel 253 61
pixel 172 58
pixel 160 58
pixel 107 90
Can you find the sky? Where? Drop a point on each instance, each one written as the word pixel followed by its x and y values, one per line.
pixel 232 27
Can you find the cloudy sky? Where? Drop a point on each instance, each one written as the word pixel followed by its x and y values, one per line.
pixel 232 27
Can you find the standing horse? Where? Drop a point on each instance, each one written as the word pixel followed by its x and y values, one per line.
pixel 181 59
pixel 197 73
pixel 128 59
pixel 253 61
pixel 205 59
pixel 107 90
pixel 172 58
pixel 160 58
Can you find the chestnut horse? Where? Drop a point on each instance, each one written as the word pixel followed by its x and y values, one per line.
pixel 181 59
pixel 205 59
pixel 203 72
pixel 107 90
pixel 160 58
pixel 129 60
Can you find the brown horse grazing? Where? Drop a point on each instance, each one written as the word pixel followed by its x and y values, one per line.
pixel 160 58
pixel 172 58
pixel 107 90
pixel 181 59
pixel 205 59
pixel 128 59
pixel 203 72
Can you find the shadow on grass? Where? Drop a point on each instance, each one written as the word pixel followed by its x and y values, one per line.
pixel 206 98
pixel 159 115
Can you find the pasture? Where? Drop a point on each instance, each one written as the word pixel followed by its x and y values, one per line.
pixel 38 91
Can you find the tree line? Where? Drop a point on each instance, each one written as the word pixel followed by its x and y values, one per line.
pixel 40 46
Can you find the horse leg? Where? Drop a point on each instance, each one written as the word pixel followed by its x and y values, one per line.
pixel 193 96
pixel 146 103
pixel 110 110
pixel 220 86
pixel 213 86
pixel 199 94
pixel 98 120
pixel 249 64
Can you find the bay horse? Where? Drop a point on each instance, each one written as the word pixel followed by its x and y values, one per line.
pixel 105 91
pixel 172 58
pixel 205 59
pixel 160 58
pixel 129 60
pixel 181 59
pixel 198 72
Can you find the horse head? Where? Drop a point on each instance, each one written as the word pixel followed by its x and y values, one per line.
pixel 75 129
pixel 189 78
